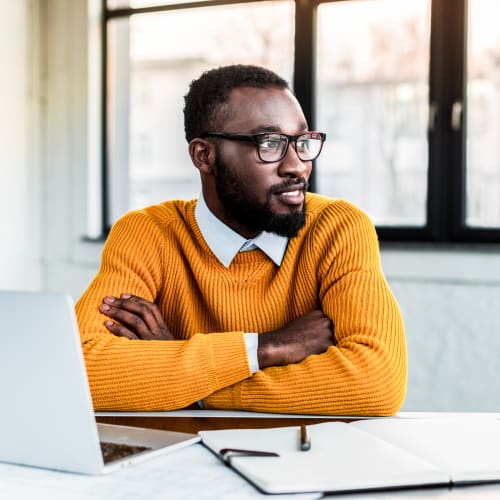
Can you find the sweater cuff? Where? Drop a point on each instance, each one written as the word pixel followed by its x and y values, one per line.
pixel 252 344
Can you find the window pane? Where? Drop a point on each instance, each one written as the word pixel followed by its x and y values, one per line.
pixel 483 115
pixel 372 101
pixel 152 60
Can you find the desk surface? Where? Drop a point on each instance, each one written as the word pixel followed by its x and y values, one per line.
pixel 198 420
pixel 193 472
pixel 194 420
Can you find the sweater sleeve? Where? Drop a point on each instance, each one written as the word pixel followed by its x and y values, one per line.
pixel 365 372
pixel 148 375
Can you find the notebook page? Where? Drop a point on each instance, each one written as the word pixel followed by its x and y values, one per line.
pixel 341 458
pixel 467 447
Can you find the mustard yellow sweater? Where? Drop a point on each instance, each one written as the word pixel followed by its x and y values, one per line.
pixel 333 263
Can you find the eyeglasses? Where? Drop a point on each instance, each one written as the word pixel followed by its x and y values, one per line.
pixel 273 147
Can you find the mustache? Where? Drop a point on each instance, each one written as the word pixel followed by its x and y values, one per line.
pixel 297 183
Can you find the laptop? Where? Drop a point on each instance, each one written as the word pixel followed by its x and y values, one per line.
pixel 46 416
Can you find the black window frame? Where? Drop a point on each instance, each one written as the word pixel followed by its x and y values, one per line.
pixel 446 182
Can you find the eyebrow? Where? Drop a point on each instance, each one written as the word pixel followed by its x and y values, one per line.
pixel 263 128
pixel 274 129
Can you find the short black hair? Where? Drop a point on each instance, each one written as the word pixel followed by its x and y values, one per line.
pixel 208 94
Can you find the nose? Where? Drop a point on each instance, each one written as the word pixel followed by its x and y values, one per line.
pixel 292 166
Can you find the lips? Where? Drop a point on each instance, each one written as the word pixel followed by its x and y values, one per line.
pixel 291 197
pixel 291 194
pixel 297 185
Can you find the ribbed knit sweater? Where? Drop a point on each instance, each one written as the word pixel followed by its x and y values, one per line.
pixel 333 264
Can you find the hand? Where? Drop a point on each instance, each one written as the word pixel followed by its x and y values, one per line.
pixel 309 334
pixel 135 318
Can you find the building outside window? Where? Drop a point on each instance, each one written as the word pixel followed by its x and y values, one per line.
pixel 408 94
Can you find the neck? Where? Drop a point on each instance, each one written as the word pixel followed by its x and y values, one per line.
pixel 220 212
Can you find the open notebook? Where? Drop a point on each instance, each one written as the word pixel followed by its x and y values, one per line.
pixel 47 419
pixel 365 455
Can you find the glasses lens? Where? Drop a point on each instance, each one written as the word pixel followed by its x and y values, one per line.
pixel 271 147
pixel 309 146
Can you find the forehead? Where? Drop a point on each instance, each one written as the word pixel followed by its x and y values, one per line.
pixel 251 110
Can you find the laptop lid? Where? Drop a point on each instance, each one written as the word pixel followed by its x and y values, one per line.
pixel 47 417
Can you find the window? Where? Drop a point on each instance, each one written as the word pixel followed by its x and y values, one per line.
pixel 152 58
pixel 374 92
pixel 483 118
pixel 407 92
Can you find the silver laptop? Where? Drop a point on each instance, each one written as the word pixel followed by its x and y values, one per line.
pixel 46 414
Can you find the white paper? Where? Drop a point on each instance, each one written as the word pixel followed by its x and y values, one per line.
pixel 468 448
pixel 341 458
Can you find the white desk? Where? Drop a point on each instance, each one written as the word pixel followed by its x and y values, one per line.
pixel 189 473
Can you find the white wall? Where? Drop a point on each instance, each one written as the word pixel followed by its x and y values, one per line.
pixel 20 166
pixel 449 298
pixel 66 266
pixel 449 301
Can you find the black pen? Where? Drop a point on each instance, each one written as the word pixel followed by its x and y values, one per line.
pixel 305 440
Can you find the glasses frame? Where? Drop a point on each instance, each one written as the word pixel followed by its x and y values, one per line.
pixel 255 138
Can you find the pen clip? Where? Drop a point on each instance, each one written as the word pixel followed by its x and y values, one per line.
pixel 228 453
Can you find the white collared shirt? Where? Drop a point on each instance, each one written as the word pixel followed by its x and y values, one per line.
pixel 226 244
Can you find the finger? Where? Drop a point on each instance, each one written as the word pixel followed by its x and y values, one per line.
pixel 138 314
pixel 147 310
pixel 130 320
pixel 150 313
pixel 120 330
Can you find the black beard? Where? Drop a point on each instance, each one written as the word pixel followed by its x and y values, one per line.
pixel 252 214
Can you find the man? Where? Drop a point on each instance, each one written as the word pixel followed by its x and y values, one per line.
pixel 256 296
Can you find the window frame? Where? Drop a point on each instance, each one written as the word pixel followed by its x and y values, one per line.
pixel 446 181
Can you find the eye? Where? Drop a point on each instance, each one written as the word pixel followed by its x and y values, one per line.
pixel 270 143
pixel 303 144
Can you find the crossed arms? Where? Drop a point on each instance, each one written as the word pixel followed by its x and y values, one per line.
pixel 139 319
pixel 194 354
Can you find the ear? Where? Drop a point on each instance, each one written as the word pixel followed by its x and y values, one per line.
pixel 202 154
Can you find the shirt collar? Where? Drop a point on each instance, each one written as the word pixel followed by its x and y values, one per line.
pixel 226 243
